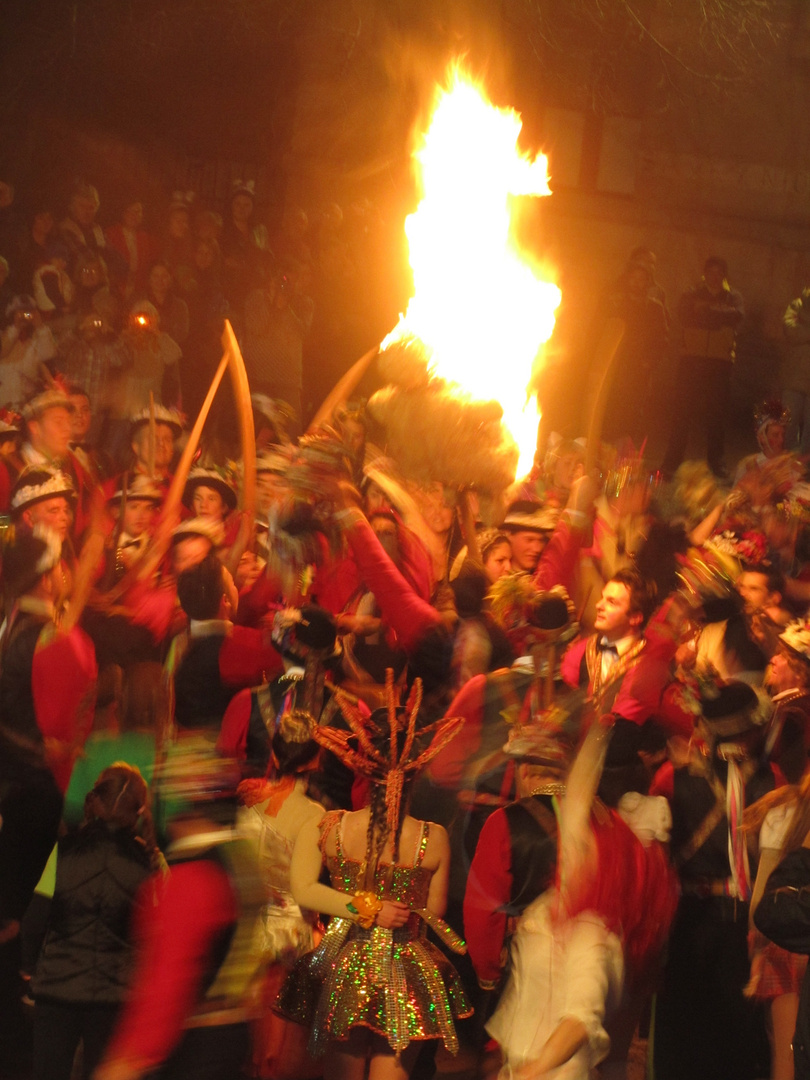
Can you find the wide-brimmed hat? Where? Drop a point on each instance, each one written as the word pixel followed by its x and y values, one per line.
pixel 731 709
pixel 199 526
pixel 278 412
pixel 526 515
pixel 36 484
pixel 211 478
pixel 311 626
pixel 273 460
pixel 796 638
pixel 172 418
pixel 140 487
pixel 52 396
pixel 10 422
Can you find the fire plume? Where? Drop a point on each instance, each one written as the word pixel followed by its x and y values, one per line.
pixel 478 308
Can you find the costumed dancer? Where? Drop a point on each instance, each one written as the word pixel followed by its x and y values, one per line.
pixel 771 422
pixel 375 987
pixel 602 926
pixel 274 810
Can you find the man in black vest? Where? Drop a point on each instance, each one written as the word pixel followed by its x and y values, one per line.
pixel 705 1028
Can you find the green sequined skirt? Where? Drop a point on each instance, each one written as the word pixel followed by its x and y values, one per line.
pixel 394 982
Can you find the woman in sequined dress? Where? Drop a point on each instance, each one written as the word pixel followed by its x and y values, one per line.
pixel 375 987
pixel 274 810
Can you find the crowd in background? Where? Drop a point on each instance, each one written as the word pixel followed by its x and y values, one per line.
pixel 567 722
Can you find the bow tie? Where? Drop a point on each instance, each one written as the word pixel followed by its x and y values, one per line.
pixel 607 648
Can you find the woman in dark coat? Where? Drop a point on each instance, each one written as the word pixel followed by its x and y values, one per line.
pixel 83 970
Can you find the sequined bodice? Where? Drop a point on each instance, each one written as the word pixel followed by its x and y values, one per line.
pixel 410 884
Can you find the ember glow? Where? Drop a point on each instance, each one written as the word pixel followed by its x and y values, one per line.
pixel 478 306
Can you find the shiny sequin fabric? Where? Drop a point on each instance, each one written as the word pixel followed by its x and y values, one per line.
pixel 394 982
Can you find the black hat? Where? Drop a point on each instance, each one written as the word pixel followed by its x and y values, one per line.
pixel 210 478
pixel 525 514
pixel 29 557
pixel 730 709
pixel 34 485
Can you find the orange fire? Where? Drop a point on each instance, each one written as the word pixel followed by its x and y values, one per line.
pixel 478 307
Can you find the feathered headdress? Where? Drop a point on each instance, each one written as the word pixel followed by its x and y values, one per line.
pixel 770 412
pixel 796 637
pixel 391 766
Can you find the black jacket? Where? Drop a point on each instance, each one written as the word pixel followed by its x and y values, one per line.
pixel 87 955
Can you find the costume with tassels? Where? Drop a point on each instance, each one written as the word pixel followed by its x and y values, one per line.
pixel 394 982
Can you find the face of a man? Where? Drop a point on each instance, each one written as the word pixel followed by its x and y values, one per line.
pixel 208 503
pixel 780 674
pixel 613 619
pixel 753 588
pixel 386 532
pixel 271 489
pixel 81 418
pixel 55 513
pixel 527 547
pixel 138 516
pixel 354 435
pixel 51 433
pixel 164 446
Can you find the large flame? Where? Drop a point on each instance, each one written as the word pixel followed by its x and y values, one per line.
pixel 478 306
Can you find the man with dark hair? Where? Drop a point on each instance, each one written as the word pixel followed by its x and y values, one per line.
pixel 709 315
pixel 601 660
pixel 216 658
pixel 529 525
pixel 705 1026
pixel 762 588
pixel 625 665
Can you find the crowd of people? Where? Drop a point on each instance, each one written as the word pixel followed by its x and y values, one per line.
pixel 309 766
pixel 125 308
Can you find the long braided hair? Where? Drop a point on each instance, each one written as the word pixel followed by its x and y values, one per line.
pixel 379 829
pixel 387 748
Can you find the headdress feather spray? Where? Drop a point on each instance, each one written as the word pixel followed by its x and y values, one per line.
pixel 389 770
